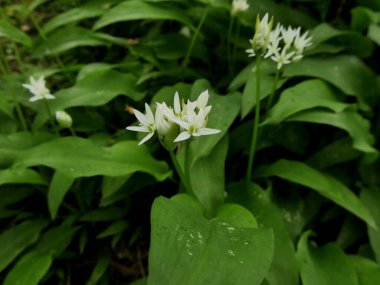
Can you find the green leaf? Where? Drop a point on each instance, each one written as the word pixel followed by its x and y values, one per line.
pixel 373 33
pixel 104 214
pixel 68 38
pixel 368 271
pixel 327 265
pixel 140 10
pixel 20 176
pixel 12 33
pixel 5 106
pixel 99 270
pixel 207 177
pixel 371 198
pixel 58 188
pixel 29 270
pixel 186 248
pixel 283 269
pixel 18 238
pixel 54 241
pixel 236 215
pixel 306 95
pixel 357 127
pixel 10 195
pixel 78 157
pixel 95 89
pixel 324 184
pixel 346 72
pixel 89 10
pixel 114 229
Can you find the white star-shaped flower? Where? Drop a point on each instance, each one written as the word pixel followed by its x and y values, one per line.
pixel 147 123
pixel 38 88
pixel 282 58
pixel 301 42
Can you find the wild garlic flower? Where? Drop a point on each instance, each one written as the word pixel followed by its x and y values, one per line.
pixel 63 119
pixel 260 40
pixel 239 6
pixel 147 123
pixel 282 57
pixel 38 88
pixel 175 124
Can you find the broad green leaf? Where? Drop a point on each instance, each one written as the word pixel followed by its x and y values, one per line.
pixel 337 152
pixel 140 10
pixel 68 38
pixel 20 176
pixel 373 33
pixel 327 265
pixel 324 184
pixel 95 89
pixel 99 270
pixel 10 194
pixel 12 33
pixel 29 270
pixel 236 215
pixel 362 17
pixel 23 140
pixel 188 249
pixel 248 100
pixel 306 95
pixel 58 188
pixel 113 229
pixel 78 157
pixel 283 269
pixel 354 124
pixel 89 10
pixel 5 106
pixel 18 238
pixel 368 271
pixel 54 241
pixel 371 198
pixel 346 72
pixel 207 177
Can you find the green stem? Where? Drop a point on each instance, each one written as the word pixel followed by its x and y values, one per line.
pixel 255 132
pixel 271 96
pixel 194 38
pixel 72 132
pixel 187 164
pixel 229 43
pixel 180 172
pixel 54 126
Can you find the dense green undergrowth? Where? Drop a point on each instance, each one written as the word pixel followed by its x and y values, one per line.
pixel 81 202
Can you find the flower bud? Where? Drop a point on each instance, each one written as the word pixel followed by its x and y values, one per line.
pixel 64 120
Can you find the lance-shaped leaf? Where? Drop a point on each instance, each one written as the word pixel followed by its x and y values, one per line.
pixel 324 184
pixel 20 176
pixel 10 32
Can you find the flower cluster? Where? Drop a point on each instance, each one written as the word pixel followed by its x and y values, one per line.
pixel 239 6
pixel 282 45
pixel 178 123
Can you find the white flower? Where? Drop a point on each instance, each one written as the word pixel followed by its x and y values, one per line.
pixel 288 35
pixel 194 126
pixel 147 123
pixel 282 58
pixel 239 6
pixel 262 31
pixel 63 119
pixel 163 124
pixel 38 88
pixel 301 42
pixel 185 31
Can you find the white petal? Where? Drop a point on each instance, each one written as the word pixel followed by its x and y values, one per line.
pixel 183 124
pixel 35 98
pixel 141 117
pixel 49 96
pixel 207 131
pixel 202 99
pixel 149 114
pixel 182 136
pixel 138 129
pixel 147 137
pixel 177 104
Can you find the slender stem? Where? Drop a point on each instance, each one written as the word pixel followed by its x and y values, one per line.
pixel 229 43
pixel 255 132
pixel 187 164
pixel 194 38
pixel 72 132
pixel 54 126
pixel 180 172
pixel 271 96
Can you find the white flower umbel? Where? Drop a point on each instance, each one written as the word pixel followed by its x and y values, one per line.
pixel 38 88
pixel 147 123
pixel 239 6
